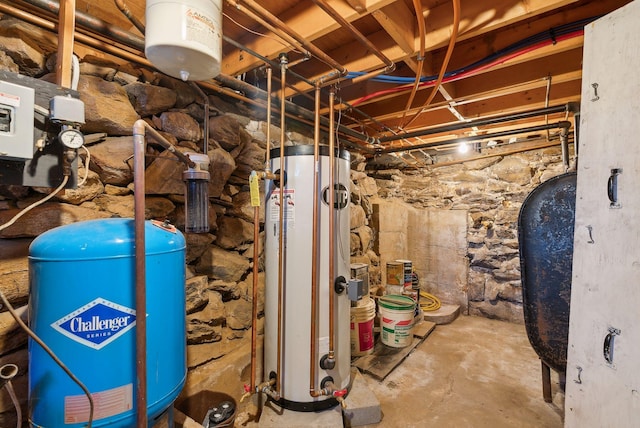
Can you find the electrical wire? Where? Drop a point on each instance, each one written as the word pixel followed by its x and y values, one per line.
pixel 86 166
pixel 539 40
pixel 471 72
pixel 48 350
pixel 75 77
pixel 553 35
pixel 346 260
pixel 260 34
pixel 35 204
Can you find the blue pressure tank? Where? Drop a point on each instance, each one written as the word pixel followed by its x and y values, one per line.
pixel 82 305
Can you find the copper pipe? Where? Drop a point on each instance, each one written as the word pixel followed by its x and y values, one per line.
pixel 332 243
pixel 357 34
pixel 283 77
pixel 256 238
pixel 447 57
pixel 256 241
pixel 314 251
pixel 254 308
pixel 158 138
pixel 139 145
pixel 132 18
pixel 284 27
pixel 269 85
pixel 140 265
pixel 353 80
pixel 417 6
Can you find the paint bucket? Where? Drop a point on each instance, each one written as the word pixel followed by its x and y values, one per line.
pixel 362 317
pixel 407 271
pixel 394 289
pixel 395 273
pixel 396 320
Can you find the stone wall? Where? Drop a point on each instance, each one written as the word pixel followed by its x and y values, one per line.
pixel 464 212
pixel 487 193
pixel 219 263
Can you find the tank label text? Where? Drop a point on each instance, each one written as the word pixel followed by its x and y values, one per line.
pixel 97 323
pixel 340 196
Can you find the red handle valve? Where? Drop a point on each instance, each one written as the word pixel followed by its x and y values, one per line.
pixel 247 388
pixel 340 392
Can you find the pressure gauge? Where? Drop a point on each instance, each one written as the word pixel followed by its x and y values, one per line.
pixel 71 138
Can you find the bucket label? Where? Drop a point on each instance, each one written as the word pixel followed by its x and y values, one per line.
pixel 97 323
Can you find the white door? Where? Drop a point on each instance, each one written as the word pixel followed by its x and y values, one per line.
pixel 603 359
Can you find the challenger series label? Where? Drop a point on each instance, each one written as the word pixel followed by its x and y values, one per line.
pixel 97 323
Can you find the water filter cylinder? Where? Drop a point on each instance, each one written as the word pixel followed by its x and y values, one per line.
pixel 184 38
pixel 197 194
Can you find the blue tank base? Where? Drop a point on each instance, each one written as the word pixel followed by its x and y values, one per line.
pixel 164 419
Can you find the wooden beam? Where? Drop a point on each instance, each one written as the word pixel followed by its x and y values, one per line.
pixel 359 6
pixel 398 21
pixel 474 49
pixel 305 19
pixel 438 22
pixel 66 28
pixel 509 75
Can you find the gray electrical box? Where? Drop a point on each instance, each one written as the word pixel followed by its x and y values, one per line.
pixel 16 121
pixel 30 153
pixel 359 282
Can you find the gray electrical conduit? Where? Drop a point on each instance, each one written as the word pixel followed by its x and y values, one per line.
pixel 568 107
pixel 562 124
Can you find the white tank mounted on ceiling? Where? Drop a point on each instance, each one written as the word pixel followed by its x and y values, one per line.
pixel 184 38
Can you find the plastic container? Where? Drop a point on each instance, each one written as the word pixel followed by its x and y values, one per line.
pixel 362 317
pixel 396 320
pixel 184 38
pixel 395 273
pixel 407 271
pixel 82 305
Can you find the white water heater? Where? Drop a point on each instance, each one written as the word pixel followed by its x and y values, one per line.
pixel 184 38
pixel 297 261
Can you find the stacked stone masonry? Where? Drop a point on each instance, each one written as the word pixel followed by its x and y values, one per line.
pixel 219 264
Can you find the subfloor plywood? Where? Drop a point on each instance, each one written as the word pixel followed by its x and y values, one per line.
pixel 384 359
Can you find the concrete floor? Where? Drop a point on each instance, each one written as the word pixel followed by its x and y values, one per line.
pixel 474 372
